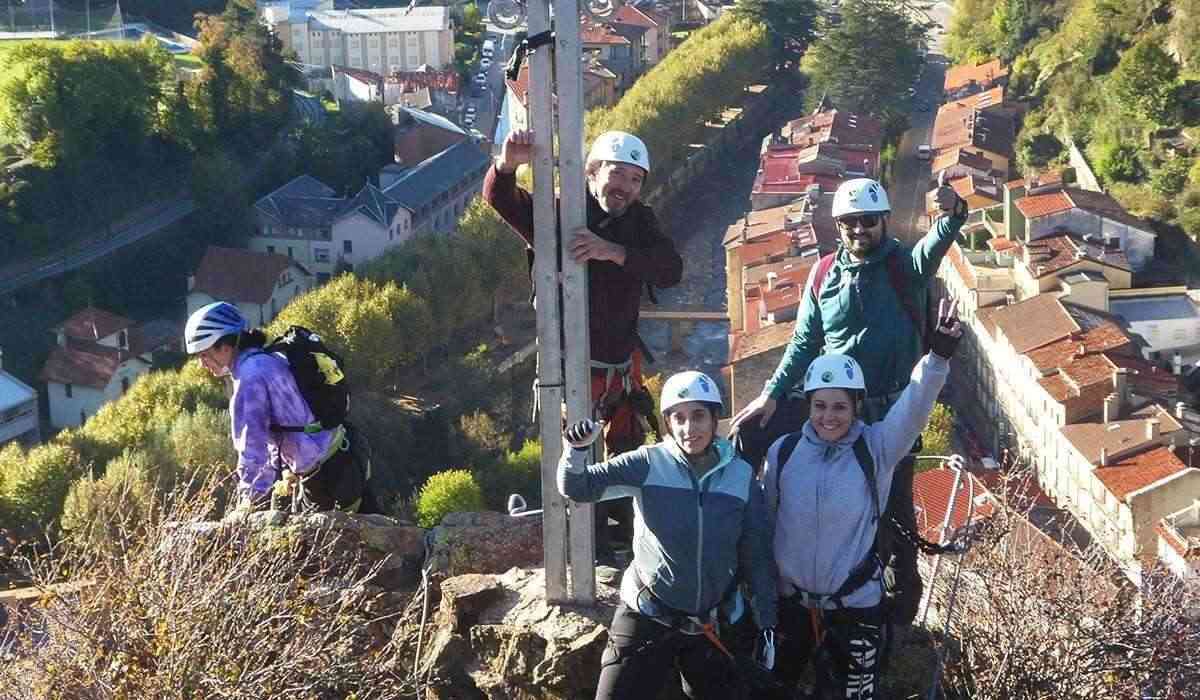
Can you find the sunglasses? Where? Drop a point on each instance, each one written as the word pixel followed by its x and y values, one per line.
pixel 865 220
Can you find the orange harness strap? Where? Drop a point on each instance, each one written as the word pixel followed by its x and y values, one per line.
pixel 818 630
pixel 710 631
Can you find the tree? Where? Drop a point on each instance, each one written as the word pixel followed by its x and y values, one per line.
pixel 1038 150
pixel 1145 83
pixel 244 89
pixel 791 24
pixel 937 438
pixel 1118 161
pixel 866 63
pixel 502 258
pixel 1171 177
pixel 76 102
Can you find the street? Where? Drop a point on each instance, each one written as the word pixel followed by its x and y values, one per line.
pixel 910 175
pixel 488 102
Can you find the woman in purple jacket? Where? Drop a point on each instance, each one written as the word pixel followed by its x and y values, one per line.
pixel 265 396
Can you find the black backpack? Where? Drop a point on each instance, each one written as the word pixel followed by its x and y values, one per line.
pixel 320 375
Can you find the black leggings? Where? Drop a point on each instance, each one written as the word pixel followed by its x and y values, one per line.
pixel 848 659
pixel 641 654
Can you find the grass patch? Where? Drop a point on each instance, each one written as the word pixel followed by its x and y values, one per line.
pixel 189 61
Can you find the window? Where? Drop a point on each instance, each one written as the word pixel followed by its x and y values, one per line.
pixel 123 340
pixel 82 417
pixel 373 41
pixel 322 277
pixel 124 385
pixel 347 246
pixel 1180 335
pixel 270 249
pixel 411 38
pixel 321 255
pixel 354 42
pixel 68 390
pixel 393 41
pixel 289 251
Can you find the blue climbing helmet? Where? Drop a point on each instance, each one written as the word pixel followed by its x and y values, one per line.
pixel 208 324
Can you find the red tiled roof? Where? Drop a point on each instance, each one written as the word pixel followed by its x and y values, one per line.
pixel 1146 378
pixel 763 222
pixel 240 275
pixel 983 73
pixel 1000 244
pixel 520 86
pixel 1117 437
pixel 1139 471
pixel 628 14
pixel 792 269
pixel 363 76
pixel 981 100
pixel 596 33
pixel 932 497
pixel 93 324
pixel 1037 205
pixel 747 345
pixel 1104 205
pixel 1034 322
pixel 1051 255
pixel 1105 337
pixel 441 80
pixel 836 126
pixel 784 296
pixel 83 363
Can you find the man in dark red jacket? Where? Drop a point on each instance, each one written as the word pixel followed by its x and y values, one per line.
pixel 624 250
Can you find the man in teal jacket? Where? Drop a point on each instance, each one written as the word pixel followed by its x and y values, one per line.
pixel 868 300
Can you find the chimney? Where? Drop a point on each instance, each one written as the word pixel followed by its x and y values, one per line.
pixel 191 281
pixel 60 337
pixel 1177 364
pixel 771 279
pixel 1104 456
pixel 1180 407
pixel 95 331
pixel 1121 387
pixel 1111 404
pixel 1151 429
pixel 1081 351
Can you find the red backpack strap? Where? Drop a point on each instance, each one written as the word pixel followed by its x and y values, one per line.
pixel 899 283
pixel 819 275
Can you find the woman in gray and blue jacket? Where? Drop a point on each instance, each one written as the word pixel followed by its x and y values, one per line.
pixel 824 517
pixel 699 521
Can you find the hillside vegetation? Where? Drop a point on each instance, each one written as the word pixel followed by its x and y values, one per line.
pixel 1120 78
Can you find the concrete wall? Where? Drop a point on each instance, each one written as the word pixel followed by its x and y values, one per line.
pixel 1085 177
pixel 20 422
pixel 746 378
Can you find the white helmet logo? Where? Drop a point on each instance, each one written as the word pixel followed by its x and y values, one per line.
pixel 827 376
pixel 615 144
pixel 635 154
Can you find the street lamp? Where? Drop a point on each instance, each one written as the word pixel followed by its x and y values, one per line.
pixel 510 14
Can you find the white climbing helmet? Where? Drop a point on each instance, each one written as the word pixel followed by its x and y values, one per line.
pixel 834 372
pixel 860 196
pixel 208 324
pixel 689 386
pixel 620 147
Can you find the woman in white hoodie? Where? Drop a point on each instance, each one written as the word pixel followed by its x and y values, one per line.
pixel 818 485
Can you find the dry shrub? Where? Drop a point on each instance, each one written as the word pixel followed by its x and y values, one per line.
pixel 211 611
pixel 1044 617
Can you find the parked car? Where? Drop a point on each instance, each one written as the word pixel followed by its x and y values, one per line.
pixel 468 119
pixel 485 63
pixel 471 110
pixel 924 152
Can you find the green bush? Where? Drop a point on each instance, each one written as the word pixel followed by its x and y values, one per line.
pixel 1171 177
pixel 450 491
pixel 199 443
pixel 1194 173
pixel 34 484
pixel 102 513
pixel 1189 221
pixel 516 472
pixel 1118 162
pixel 936 438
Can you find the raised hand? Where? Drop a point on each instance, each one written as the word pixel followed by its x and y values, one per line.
pixel 516 151
pixel 948 331
pixel 581 434
pixel 948 201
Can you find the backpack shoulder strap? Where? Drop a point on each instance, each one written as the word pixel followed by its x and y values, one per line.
pixel 862 454
pixel 786 448
pixel 899 282
pixel 822 271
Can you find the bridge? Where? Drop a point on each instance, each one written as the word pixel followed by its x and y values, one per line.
pixel 681 318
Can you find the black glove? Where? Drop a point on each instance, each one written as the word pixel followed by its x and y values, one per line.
pixel 581 434
pixel 948 331
pixel 764 649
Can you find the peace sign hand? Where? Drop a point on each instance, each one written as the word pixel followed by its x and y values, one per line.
pixel 949 330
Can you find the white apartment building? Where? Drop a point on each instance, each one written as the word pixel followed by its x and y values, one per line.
pixel 379 40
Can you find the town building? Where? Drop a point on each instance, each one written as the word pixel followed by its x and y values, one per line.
pixel 612 50
pixel 438 90
pixel 647 30
pixel 419 193
pixel 380 40
pixel 259 284
pixel 355 86
pixel 18 411
pixel 963 80
pixel 97 357
pixel 1179 542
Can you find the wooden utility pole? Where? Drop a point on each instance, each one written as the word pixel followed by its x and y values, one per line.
pixel 555 70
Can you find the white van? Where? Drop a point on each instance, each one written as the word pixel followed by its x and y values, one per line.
pixel 924 152
pixel 489 49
